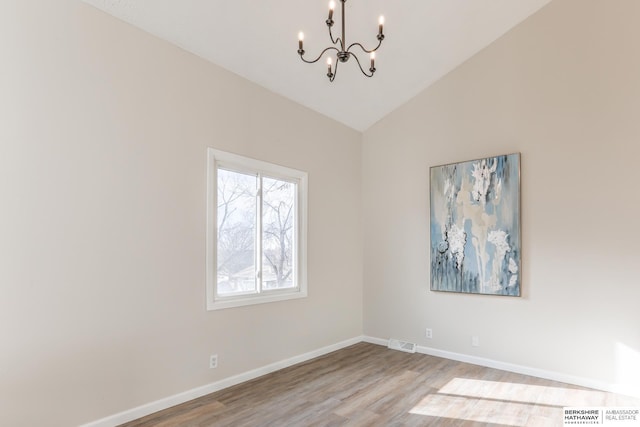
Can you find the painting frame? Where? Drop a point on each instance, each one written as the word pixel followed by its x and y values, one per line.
pixel 475 226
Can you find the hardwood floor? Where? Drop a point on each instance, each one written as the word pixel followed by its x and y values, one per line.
pixel 370 385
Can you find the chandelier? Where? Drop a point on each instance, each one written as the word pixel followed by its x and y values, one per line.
pixel 343 53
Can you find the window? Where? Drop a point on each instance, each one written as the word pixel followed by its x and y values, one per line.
pixel 256 231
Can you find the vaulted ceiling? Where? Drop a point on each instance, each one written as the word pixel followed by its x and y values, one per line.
pixel 258 40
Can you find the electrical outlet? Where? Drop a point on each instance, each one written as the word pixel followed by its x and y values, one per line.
pixel 429 333
pixel 213 361
pixel 475 341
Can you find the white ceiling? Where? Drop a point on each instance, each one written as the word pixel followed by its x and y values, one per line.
pixel 258 40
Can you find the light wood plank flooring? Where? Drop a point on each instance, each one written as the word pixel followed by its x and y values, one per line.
pixel 369 385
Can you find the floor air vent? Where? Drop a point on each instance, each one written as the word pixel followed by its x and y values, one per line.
pixel 395 344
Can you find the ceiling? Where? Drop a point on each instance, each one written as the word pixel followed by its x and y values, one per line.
pixel 258 40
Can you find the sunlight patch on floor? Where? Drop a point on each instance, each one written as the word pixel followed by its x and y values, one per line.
pixel 469 409
pixel 516 392
pixel 506 403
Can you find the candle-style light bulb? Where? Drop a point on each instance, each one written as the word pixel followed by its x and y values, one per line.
pixel 300 40
pixel 329 72
pixel 380 24
pixel 373 62
pixel 332 6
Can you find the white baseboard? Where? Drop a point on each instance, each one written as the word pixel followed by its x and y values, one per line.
pixel 176 399
pixel 519 369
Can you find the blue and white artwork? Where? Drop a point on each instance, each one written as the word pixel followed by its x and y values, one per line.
pixel 475 226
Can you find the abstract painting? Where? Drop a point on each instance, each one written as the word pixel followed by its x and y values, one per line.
pixel 475 226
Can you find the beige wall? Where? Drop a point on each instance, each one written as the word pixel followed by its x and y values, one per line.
pixel 563 89
pixel 103 136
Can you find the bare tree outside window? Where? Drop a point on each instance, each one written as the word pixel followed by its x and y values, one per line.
pixel 238 246
pixel 278 208
pixel 236 232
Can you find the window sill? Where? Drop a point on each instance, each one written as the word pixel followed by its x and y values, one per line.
pixel 241 301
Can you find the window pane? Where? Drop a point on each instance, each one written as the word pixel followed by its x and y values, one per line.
pixel 278 241
pixel 236 232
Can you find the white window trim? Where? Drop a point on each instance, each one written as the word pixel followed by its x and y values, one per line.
pixel 215 157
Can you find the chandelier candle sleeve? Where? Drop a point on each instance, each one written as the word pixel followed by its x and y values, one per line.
pixel 373 61
pixel 300 40
pixel 380 24
pixel 332 6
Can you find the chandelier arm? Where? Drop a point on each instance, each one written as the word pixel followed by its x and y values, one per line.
pixel 362 47
pixel 337 40
pixel 333 75
pixel 320 56
pixel 360 66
